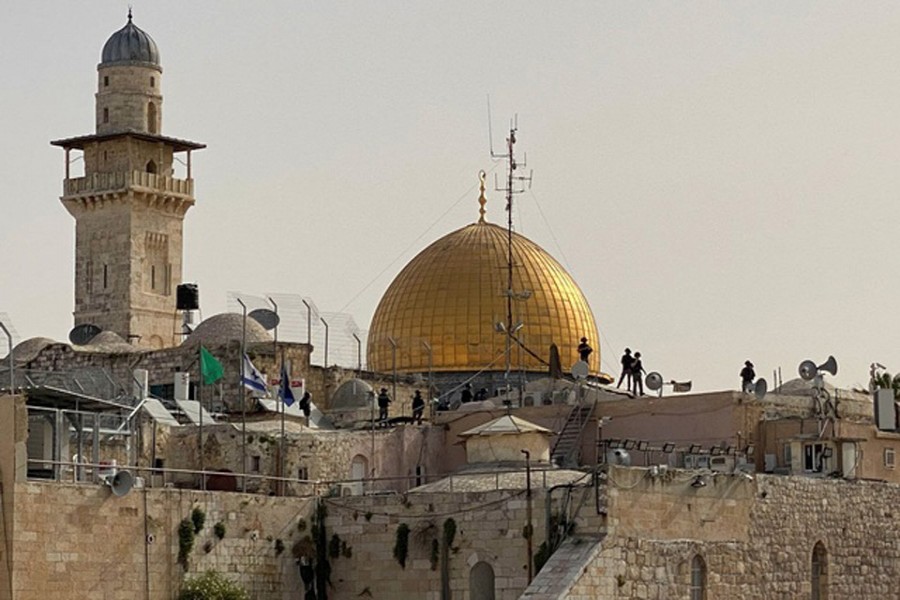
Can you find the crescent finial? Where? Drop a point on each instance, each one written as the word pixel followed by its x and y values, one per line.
pixel 481 199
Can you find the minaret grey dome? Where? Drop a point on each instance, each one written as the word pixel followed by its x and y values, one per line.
pixel 130 44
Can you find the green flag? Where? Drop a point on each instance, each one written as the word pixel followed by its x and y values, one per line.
pixel 210 369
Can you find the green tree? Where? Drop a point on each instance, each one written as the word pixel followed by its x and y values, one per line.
pixel 884 380
pixel 212 586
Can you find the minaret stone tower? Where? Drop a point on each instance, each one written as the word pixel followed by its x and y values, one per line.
pixel 128 208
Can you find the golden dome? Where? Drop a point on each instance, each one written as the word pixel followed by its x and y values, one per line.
pixel 452 295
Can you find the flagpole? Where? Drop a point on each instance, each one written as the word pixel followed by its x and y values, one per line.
pixel 200 404
pixel 282 482
pixel 243 397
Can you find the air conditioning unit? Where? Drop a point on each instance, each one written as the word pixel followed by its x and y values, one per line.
pixel 721 464
pixel 351 489
pixel 696 461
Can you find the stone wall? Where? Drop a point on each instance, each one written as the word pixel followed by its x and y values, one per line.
pixel 80 541
pixel 489 529
pixel 755 536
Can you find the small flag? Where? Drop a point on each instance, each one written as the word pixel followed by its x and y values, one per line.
pixel 253 379
pixel 284 391
pixel 210 369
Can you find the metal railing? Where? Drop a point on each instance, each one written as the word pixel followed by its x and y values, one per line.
pixel 104 182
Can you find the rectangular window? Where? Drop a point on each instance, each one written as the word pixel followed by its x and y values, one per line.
pixel 303 473
pixel 255 463
pixel 105 276
pixel 813 459
pixel 167 284
pixel 152 277
pixel 889 458
pixel 787 455
pixel 105 80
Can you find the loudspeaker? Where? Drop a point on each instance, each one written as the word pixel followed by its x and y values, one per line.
pixel 654 381
pixel 187 296
pixel 760 389
pixel 807 370
pixel 120 483
pixel 829 366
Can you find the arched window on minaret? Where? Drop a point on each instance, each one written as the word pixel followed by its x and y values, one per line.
pixel 106 115
pixel 151 167
pixel 151 118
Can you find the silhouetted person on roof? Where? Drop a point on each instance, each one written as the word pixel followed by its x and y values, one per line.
pixel 637 378
pixel 466 395
pixel 626 361
pixel 747 377
pixel 418 407
pixel 584 349
pixel 383 402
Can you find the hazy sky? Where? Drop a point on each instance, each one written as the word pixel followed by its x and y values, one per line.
pixel 720 178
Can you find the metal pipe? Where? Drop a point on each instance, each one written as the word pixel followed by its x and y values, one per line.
pixel 325 323
pixel 358 354
pixel 430 378
pixel 12 379
pixel 393 343
pixel 308 321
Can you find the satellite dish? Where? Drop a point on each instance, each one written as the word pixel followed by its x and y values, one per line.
pixel 580 370
pixel 830 366
pixel 267 318
pixel 807 370
pixel 83 334
pixel 619 456
pixel 654 381
pixel 760 389
pixel 120 483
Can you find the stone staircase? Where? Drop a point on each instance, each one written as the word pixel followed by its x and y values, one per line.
pixel 568 442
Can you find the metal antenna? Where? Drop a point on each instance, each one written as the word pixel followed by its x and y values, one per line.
pixel 515 184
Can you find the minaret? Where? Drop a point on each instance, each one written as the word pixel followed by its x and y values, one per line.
pixel 128 208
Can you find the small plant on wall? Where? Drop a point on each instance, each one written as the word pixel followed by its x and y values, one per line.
pixel 185 542
pixel 401 545
pixel 198 519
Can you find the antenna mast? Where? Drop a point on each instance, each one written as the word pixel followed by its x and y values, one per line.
pixel 515 184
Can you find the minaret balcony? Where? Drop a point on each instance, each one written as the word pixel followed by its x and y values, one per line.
pixel 124 180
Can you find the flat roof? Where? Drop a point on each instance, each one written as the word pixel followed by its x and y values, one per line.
pixel 80 142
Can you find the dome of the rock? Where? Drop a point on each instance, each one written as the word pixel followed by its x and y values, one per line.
pixel 447 309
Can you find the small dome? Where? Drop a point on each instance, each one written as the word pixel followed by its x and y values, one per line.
pixel 29 349
pixel 352 395
pixel 227 327
pixel 108 342
pixel 130 45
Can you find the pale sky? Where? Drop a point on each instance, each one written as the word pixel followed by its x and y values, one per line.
pixel 721 179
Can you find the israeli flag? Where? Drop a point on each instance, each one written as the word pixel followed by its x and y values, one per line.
pixel 253 379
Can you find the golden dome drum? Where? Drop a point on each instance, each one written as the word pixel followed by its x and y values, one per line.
pixel 445 306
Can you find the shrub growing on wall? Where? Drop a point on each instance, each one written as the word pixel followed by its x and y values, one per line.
pixel 212 586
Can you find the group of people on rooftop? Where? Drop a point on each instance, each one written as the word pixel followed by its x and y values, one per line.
pixel 632 372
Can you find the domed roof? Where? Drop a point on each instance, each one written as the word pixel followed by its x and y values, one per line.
pixel 351 395
pixel 27 350
pixel 226 327
pixel 130 44
pixel 452 296
pixel 110 342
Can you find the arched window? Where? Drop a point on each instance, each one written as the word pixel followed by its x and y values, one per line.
pixel 359 468
pixel 151 167
pixel 481 582
pixel 698 578
pixel 819 572
pixel 151 118
pixel 106 115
